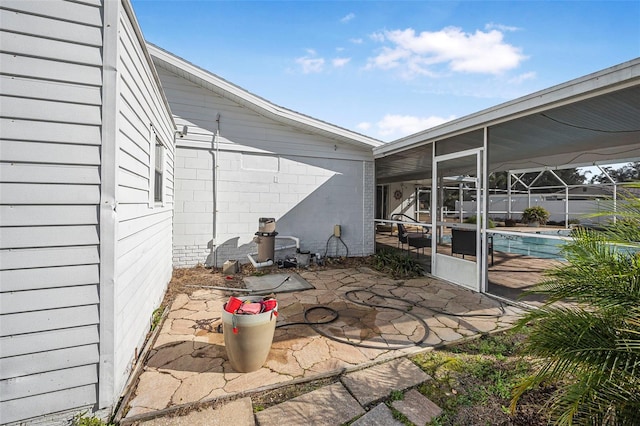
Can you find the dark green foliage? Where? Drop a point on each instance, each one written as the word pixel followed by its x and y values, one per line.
pixel 510 222
pixel 535 214
pixel 156 317
pixel 628 173
pixel 477 373
pixel 498 180
pixel 397 263
pixel 83 420
pixel 473 219
pixel 587 336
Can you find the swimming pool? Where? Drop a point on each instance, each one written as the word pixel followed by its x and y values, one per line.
pixel 541 247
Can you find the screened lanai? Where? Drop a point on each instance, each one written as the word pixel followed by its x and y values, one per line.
pixel 588 121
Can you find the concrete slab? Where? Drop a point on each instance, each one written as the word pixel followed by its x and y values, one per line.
pixel 418 408
pixel 380 415
pixel 276 283
pixel 377 382
pixel 329 405
pixel 236 413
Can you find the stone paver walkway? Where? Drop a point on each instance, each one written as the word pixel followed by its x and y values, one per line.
pixel 188 363
pixel 374 383
pixel 419 409
pixel 329 405
pixel 236 413
pixel 379 415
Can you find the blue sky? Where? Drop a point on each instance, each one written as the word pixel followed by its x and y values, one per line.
pixel 388 69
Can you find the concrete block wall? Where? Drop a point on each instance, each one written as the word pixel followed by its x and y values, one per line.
pixel 307 196
pixel 187 256
pixel 369 210
pixel 193 207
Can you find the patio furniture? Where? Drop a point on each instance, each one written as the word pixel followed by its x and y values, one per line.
pixel 418 240
pixel 463 241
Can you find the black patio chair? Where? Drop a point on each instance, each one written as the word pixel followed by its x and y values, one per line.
pixel 417 240
pixel 463 241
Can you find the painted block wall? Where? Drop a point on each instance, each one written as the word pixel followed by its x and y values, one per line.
pixel 308 182
pixel 306 196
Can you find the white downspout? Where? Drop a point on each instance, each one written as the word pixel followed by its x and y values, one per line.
pixel 216 148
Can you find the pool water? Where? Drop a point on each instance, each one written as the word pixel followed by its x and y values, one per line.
pixel 544 248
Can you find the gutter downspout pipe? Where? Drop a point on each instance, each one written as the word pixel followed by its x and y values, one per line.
pixel 216 154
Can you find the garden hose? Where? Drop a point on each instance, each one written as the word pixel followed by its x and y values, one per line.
pixel 349 295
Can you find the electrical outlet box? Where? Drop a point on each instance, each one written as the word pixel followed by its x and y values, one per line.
pixel 337 230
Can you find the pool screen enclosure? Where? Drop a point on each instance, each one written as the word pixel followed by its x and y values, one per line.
pixel 589 121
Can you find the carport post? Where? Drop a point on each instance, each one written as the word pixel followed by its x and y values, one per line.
pixel 509 194
pixel 484 209
pixel 615 191
pixel 566 199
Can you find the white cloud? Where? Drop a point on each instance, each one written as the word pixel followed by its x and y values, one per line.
pixel 356 40
pixel 310 64
pixel 340 62
pixel 394 126
pixel 379 37
pixel 428 52
pixel 364 126
pixel 500 27
pixel 523 77
pixel 347 18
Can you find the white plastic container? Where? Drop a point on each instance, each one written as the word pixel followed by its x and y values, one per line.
pixel 249 347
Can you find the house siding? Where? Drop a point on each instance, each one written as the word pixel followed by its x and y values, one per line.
pixel 142 264
pixel 85 252
pixel 308 182
pixel 50 117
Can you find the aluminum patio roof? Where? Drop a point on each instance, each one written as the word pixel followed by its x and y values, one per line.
pixel 591 120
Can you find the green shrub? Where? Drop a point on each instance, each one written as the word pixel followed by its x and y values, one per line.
pixel 473 220
pixel 397 263
pixel 82 419
pixel 510 222
pixel 590 347
pixel 156 317
pixel 535 214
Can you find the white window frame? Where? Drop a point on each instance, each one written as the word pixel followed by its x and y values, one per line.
pixel 154 152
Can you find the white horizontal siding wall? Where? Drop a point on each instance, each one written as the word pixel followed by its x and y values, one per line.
pixel 50 130
pixel 309 183
pixel 143 231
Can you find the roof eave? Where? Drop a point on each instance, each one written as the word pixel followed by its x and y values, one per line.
pixel 613 78
pixel 262 106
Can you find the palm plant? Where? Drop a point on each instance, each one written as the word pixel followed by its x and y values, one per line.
pixel 586 337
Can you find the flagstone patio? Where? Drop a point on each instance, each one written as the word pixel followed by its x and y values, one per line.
pixel 188 363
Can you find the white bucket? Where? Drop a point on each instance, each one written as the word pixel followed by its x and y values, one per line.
pixel 249 347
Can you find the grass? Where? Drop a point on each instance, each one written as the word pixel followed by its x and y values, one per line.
pixel 472 382
pixel 83 420
pixel 156 317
